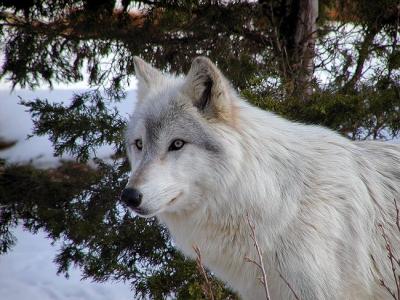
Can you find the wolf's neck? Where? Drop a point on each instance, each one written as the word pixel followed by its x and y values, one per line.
pixel 223 227
pixel 263 175
pixel 205 229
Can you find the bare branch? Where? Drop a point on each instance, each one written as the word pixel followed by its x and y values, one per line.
pixel 289 286
pixel 393 262
pixel 207 288
pixel 363 54
pixel 397 214
pixel 260 263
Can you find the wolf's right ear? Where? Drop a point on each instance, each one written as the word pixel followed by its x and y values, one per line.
pixel 147 76
pixel 208 89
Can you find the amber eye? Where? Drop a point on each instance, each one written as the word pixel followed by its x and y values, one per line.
pixel 139 144
pixel 176 145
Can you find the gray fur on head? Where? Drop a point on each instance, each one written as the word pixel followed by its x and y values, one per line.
pixel 208 89
pixel 147 76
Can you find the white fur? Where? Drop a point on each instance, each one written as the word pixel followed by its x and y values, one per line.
pixel 316 200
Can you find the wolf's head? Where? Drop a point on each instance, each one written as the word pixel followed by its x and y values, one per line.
pixel 175 139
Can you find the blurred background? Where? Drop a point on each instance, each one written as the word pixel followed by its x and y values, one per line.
pixel 67 87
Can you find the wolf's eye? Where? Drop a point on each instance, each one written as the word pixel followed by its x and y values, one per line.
pixel 139 144
pixel 176 145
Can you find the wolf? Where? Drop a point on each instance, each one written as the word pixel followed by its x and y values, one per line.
pixel 210 166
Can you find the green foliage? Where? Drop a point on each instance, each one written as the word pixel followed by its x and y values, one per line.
pixel 79 128
pixel 56 50
pixel 78 206
pixel 369 113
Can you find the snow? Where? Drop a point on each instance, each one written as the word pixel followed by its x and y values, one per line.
pixel 16 124
pixel 28 270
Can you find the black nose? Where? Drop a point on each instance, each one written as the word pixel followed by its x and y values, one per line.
pixel 131 197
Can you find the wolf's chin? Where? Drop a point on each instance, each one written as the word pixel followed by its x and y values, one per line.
pixel 170 202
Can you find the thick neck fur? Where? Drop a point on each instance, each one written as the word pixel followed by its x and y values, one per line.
pixel 237 198
pixel 287 178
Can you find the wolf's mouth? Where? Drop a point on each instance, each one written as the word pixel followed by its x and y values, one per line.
pixel 175 198
pixel 139 211
pixel 144 213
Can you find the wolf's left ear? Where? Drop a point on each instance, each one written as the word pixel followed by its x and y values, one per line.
pixel 208 89
pixel 147 76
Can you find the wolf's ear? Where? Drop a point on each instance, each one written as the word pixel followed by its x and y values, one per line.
pixel 147 76
pixel 208 89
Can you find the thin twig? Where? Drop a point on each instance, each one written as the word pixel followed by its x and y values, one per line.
pixel 392 260
pixel 289 286
pixel 383 284
pixel 397 215
pixel 260 263
pixel 207 288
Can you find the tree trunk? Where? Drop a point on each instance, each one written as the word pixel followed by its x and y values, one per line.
pixel 304 47
pixel 363 54
pixel 294 26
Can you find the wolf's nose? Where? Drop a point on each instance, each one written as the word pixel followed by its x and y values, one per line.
pixel 131 197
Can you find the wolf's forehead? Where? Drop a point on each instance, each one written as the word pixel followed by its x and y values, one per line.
pixel 175 118
pixel 166 116
pixel 163 114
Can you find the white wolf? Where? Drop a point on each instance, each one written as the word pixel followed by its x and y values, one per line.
pixel 203 159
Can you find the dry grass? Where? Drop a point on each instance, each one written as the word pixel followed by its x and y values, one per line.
pixel 393 260
pixel 259 263
pixel 206 286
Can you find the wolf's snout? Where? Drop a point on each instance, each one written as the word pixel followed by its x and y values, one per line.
pixel 131 197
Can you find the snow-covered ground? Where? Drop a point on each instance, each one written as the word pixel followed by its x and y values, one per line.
pixel 28 271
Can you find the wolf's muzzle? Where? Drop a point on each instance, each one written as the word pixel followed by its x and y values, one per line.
pixel 131 197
